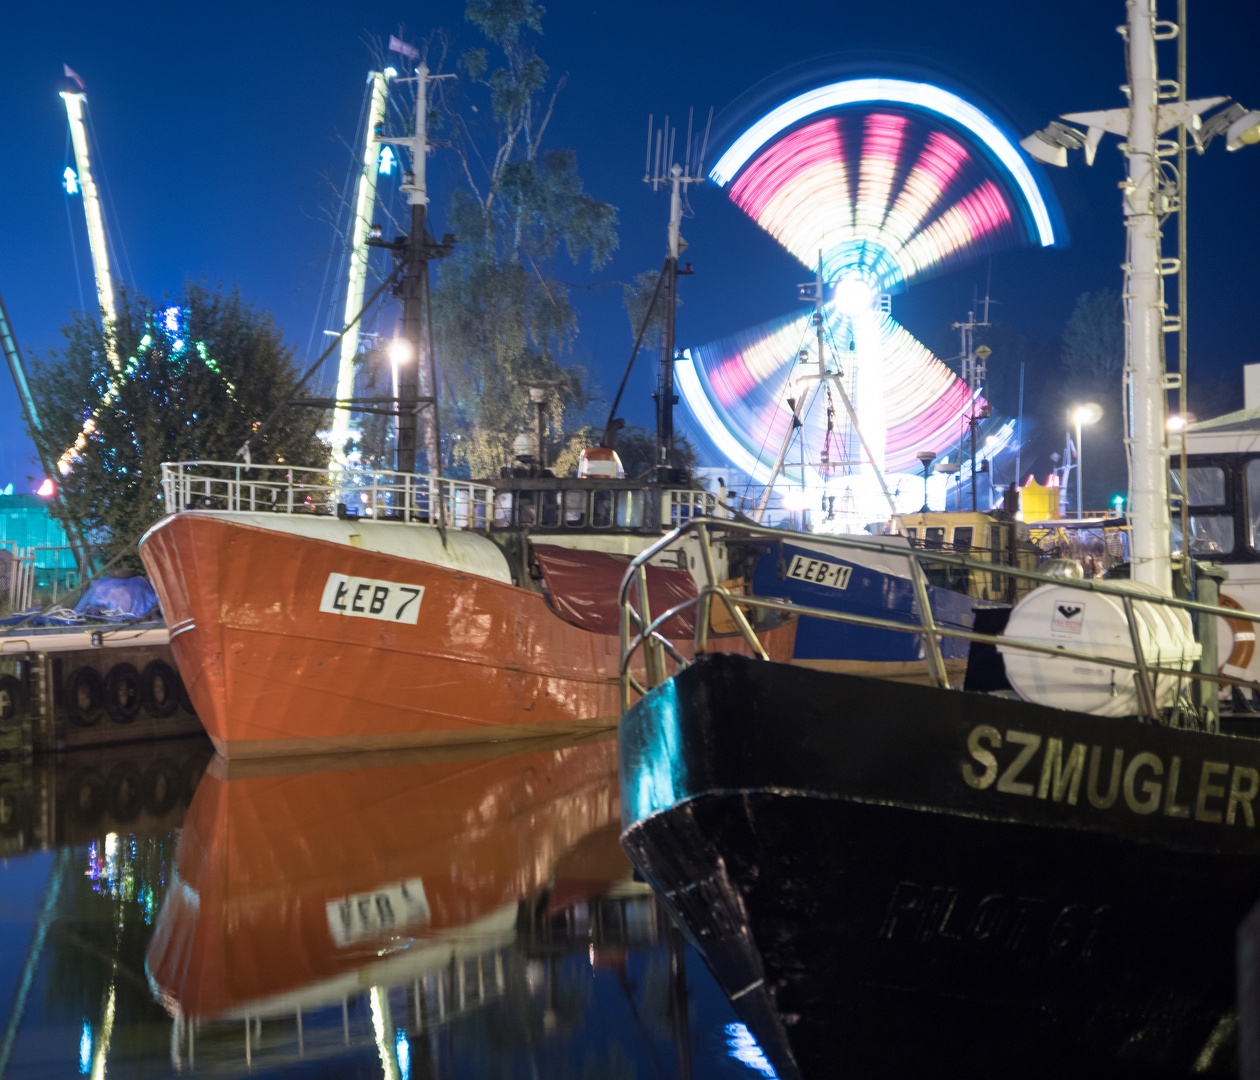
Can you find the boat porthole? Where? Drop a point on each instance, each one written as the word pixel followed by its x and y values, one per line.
pixel 161 689
pixel 85 696
pixel 122 693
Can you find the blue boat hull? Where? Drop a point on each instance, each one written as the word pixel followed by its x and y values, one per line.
pixel 861 583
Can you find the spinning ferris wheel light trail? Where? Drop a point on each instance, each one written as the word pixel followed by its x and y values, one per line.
pixel 879 183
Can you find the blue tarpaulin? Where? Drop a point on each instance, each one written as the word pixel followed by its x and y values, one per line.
pixel 133 597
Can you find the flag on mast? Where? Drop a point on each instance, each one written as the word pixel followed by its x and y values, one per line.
pixel 72 74
pixel 409 51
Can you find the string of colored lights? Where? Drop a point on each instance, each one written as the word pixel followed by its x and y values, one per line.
pixel 170 325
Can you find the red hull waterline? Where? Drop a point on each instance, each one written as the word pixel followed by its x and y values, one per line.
pixel 471 658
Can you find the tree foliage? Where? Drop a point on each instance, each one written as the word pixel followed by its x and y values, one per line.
pixel 502 315
pixel 197 377
pixel 1093 341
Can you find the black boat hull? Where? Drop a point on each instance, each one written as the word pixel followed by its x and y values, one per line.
pixel 892 880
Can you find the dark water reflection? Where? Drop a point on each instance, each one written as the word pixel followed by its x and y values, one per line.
pixel 465 913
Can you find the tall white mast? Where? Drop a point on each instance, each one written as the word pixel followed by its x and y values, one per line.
pixel 1150 536
pixel 365 204
pixel 1149 193
pixel 95 220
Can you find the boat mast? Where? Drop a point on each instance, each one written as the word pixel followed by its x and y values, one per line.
pixel 1148 194
pixel 1150 535
pixel 365 204
pixel 417 374
pixel 75 102
pixel 678 177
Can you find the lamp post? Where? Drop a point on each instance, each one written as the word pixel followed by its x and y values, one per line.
pixel 926 457
pixel 1082 414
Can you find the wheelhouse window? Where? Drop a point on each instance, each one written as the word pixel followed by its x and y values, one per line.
pixel 1210 534
pixel 549 509
pixel 1253 503
pixel 1205 484
pixel 602 509
pixel 527 507
pixel 575 509
pixel 934 537
pixel 503 503
pixel 630 506
pixel 962 538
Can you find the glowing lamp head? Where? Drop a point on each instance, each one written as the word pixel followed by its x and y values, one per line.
pixel 797 499
pixel 853 296
pixel 399 350
pixel 45 489
pixel 1086 414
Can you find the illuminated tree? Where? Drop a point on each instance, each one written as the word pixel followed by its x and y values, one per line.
pixel 196 376
pixel 502 314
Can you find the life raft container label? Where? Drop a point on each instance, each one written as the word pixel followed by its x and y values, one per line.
pixel 368 598
pixel 820 572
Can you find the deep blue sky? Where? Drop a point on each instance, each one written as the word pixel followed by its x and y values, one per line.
pixel 217 123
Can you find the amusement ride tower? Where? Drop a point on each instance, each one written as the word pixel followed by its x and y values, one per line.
pixel 873 184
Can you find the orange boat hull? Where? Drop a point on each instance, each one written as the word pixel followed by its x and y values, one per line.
pixel 271 674
pixel 289 887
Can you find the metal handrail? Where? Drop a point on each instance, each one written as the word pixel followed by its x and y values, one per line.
pixel 381 495
pixel 926 628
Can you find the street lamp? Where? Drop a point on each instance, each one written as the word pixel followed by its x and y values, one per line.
pixel 1088 413
pixel 926 457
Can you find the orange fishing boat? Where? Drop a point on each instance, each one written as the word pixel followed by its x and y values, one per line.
pixel 402 610
pixel 292 891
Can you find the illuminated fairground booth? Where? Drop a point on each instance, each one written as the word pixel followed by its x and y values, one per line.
pixel 872 184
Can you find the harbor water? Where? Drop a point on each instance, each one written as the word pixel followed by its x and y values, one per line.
pixel 457 913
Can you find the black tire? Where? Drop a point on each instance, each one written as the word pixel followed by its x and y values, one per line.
pixel 85 696
pixel 161 689
pixel 12 701
pixel 85 795
pixel 163 786
pixel 126 792
pixel 123 693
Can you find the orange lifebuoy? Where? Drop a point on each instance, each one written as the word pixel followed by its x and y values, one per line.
pixel 1244 638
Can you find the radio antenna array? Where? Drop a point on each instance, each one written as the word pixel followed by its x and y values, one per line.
pixel 658 167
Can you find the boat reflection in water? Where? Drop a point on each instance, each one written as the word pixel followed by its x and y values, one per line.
pixel 321 906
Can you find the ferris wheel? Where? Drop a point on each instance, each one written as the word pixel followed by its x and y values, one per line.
pixel 873 184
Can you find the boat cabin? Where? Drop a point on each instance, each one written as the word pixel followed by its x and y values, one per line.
pixel 998 539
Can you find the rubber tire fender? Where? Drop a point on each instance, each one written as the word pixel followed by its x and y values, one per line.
pixel 85 798
pixel 163 787
pixel 125 787
pixel 123 682
pixel 12 701
pixel 155 670
pixel 1244 633
pixel 85 696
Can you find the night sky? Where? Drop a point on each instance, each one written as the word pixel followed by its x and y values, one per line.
pixel 218 123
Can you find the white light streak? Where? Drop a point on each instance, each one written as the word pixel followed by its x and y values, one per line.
pixel 891 91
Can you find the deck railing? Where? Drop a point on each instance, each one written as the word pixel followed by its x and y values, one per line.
pixel 641 628
pixel 405 498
